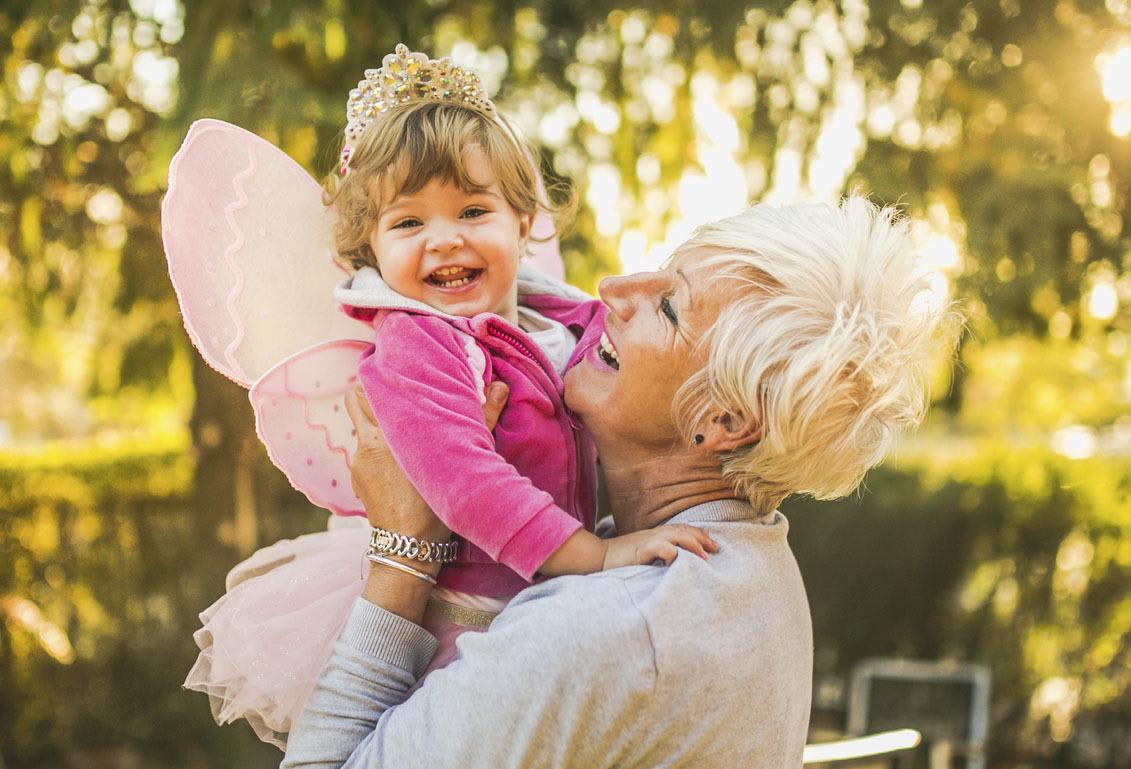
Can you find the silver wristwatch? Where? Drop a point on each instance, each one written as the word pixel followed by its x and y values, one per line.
pixel 385 542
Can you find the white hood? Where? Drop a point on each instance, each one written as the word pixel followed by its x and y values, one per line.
pixel 366 288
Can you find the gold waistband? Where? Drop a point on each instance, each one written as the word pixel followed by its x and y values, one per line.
pixel 461 615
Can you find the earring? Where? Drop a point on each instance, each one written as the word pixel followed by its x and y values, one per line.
pixel 698 439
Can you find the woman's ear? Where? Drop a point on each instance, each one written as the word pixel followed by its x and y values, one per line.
pixel 725 431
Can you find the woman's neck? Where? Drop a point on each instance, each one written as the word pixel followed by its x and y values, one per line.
pixel 646 488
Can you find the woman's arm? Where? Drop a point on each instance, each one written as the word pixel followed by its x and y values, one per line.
pixel 564 679
pixel 523 691
pixel 393 503
pixel 383 648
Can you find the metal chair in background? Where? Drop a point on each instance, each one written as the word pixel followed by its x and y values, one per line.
pixel 946 702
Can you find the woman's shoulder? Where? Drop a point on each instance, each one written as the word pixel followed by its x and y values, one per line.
pixel 750 589
pixel 579 628
pixel 592 606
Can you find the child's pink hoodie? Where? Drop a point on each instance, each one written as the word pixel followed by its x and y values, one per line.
pixel 513 496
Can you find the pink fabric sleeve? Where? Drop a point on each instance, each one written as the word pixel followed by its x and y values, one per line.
pixel 426 400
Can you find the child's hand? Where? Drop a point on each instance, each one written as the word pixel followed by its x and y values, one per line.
pixel 662 542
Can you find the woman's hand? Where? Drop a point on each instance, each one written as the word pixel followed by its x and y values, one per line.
pixel 392 502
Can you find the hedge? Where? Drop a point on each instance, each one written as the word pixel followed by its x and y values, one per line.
pixel 1019 559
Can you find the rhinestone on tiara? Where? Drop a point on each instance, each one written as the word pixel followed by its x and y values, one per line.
pixel 406 76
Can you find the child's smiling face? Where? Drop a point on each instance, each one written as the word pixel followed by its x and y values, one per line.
pixel 454 249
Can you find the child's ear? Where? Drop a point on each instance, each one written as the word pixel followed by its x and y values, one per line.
pixel 525 224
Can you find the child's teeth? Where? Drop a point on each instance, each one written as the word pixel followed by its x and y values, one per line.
pixel 440 276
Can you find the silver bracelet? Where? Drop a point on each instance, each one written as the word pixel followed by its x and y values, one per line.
pixel 401 567
pixel 385 542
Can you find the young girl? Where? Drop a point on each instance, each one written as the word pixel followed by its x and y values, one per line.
pixel 435 205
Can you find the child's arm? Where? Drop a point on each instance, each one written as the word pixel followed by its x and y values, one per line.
pixel 585 553
pixel 426 398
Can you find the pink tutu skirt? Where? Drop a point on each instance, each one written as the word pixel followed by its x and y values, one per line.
pixel 264 643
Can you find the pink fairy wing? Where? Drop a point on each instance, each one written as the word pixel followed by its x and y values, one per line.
pixel 301 418
pixel 250 253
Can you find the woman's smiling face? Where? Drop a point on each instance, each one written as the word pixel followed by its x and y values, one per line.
pixel 625 385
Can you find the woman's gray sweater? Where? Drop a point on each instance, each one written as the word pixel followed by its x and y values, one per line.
pixel 697 664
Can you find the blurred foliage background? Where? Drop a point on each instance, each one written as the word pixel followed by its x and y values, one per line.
pixel 130 477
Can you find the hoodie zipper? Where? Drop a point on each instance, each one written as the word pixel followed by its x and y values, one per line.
pixel 514 342
pixel 559 393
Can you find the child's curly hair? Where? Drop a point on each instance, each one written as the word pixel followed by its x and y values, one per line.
pixel 412 144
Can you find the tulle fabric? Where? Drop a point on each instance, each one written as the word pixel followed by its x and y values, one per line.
pixel 264 643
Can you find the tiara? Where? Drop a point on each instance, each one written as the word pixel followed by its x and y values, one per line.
pixel 405 77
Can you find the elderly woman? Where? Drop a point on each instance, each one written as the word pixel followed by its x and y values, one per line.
pixel 779 352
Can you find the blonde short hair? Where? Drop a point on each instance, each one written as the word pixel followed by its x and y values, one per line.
pixel 412 144
pixel 827 342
